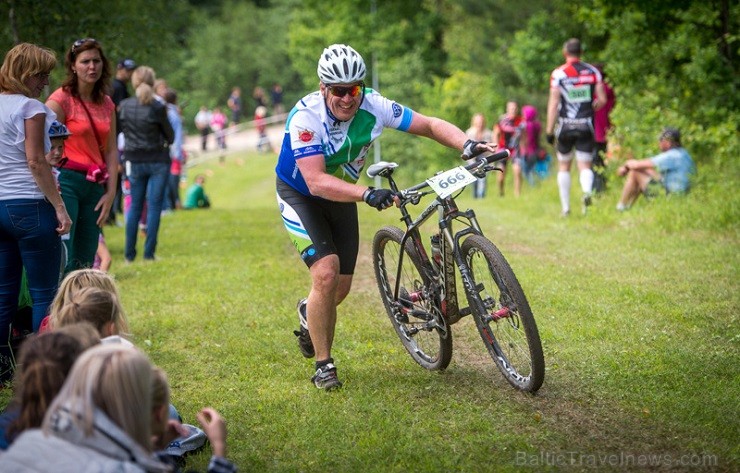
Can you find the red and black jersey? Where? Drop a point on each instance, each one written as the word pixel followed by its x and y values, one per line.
pixel 576 81
pixel 510 130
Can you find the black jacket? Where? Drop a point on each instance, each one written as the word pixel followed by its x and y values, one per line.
pixel 146 131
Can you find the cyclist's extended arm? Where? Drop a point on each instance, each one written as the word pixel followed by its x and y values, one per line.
pixel 321 184
pixel 441 131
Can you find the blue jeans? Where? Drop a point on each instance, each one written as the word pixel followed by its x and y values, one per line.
pixel 28 238
pixel 172 193
pixel 80 197
pixel 148 183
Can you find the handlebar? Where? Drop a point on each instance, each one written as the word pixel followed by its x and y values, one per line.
pixel 480 164
pixel 495 157
pixel 475 163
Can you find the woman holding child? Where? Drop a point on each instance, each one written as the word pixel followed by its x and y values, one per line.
pixel 88 178
pixel 32 213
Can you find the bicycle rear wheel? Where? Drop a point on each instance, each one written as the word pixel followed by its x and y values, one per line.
pixel 415 315
pixel 503 316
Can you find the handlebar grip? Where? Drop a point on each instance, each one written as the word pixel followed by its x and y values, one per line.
pixel 498 156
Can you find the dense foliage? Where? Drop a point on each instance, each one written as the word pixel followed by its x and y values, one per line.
pixel 670 62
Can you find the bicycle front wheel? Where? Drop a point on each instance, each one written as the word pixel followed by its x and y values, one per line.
pixel 503 316
pixel 414 314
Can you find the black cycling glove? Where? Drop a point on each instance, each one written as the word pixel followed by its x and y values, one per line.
pixel 550 138
pixel 378 198
pixel 471 149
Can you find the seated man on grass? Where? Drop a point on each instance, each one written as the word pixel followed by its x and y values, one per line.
pixel 195 197
pixel 670 170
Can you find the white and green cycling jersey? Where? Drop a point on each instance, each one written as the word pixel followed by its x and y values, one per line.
pixel 311 129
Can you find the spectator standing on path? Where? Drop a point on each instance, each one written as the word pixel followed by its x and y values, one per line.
pixel 124 69
pixel 218 125
pixel 203 124
pixel 160 88
pixel 177 156
pixel 576 91
pixel 479 132
pixel 276 97
pixel 602 126
pixel 258 94
pixel 88 179
pixel 506 133
pixel 670 170
pixel 263 141
pixel 322 156
pixel 32 213
pixel 235 105
pixel 147 133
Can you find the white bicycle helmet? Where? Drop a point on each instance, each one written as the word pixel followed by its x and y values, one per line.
pixel 340 64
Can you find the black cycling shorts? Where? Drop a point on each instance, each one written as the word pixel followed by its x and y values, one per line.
pixel 320 227
pixel 580 137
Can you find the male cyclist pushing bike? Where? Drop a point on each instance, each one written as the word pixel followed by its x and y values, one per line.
pixel 327 136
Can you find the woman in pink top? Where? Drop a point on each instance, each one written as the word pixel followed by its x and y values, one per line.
pixel 88 179
pixel 218 123
pixel 529 146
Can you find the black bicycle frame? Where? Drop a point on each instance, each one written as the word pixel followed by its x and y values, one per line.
pixel 449 245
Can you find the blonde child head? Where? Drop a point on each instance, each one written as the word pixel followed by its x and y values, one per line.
pixel 80 279
pixel 114 379
pixel 98 307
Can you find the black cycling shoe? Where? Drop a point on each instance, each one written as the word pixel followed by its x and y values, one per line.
pixel 326 378
pixel 304 338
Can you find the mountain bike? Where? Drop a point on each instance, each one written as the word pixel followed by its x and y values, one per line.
pixel 419 290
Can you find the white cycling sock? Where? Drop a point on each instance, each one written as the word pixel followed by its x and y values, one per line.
pixel 587 180
pixel 564 188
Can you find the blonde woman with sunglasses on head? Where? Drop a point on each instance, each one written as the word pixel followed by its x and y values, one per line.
pixel 88 178
pixel 32 213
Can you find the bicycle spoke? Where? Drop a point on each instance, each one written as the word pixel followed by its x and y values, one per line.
pixel 502 315
pixel 414 315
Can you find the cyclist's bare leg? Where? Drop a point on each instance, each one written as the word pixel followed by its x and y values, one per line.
pixel 328 289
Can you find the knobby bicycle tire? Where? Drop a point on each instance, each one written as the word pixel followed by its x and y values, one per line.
pixel 415 316
pixel 503 316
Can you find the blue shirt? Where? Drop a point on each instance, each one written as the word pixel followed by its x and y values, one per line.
pixel 675 166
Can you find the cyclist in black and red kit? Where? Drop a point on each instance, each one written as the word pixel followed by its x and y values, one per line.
pixel 576 91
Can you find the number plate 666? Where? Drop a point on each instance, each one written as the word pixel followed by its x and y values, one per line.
pixel 444 184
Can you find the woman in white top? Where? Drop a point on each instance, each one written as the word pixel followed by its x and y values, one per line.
pixel 32 213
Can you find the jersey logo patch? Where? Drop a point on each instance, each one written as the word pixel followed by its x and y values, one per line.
pixel 397 110
pixel 305 136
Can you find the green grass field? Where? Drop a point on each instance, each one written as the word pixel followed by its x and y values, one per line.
pixel 638 314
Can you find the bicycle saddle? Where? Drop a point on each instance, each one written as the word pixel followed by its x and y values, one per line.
pixel 381 168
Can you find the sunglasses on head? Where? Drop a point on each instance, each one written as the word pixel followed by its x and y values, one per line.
pixel 82 41
pixel 339 91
